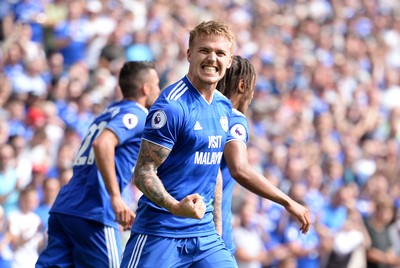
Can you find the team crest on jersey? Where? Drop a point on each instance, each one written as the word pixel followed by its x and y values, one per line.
pixel 130 121
pixel 238 131
pixel 159 119
pixel 224 123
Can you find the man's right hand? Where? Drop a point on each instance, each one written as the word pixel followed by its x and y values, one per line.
pixel 192 206
pixel 302 214
pixel 123 214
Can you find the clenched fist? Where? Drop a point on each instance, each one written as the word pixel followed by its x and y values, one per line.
pixel 192 206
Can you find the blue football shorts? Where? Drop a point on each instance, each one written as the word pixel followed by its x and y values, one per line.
pixel 77 242
pixel 163 252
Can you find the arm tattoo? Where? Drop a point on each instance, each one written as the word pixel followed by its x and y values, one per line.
pixel 217 214
pixel 151 156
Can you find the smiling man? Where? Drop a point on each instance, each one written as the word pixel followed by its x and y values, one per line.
pixel 179 159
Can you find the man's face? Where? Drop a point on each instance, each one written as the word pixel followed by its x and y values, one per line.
pixel 247 97
pixel 209 57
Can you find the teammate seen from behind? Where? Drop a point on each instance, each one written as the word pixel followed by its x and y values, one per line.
pixel 179 159
pixel 84 220
pixel 238 85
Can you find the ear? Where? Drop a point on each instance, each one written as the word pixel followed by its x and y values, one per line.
pixel 230 62
pixel 146 89
pixel 188 55
pixel 241 86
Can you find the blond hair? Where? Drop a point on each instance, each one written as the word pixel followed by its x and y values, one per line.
pixel 212 28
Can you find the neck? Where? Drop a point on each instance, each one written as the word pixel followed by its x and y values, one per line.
pixel 205 89
pixel 141 101
pixel 208 94
pixel 378 225
pixel 235 102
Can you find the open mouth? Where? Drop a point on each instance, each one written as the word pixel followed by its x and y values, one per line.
pixel 210 69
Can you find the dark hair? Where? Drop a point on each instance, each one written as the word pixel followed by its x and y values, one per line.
pixel 112 52
pixel 131 76
pixel 240 69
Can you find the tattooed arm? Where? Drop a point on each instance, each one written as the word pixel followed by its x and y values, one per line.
pixel 217 214
pixel 151 156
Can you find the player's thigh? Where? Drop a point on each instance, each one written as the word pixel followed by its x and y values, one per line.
pixel 58 252
pixel 153 251
pixel 220 259
pixel 94 244
pixel 213 253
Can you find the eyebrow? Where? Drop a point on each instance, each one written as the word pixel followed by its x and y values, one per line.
pixel 218 50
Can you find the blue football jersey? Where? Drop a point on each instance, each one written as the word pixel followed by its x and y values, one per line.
pixel 195 131
pixel 238 130
pixel 86 195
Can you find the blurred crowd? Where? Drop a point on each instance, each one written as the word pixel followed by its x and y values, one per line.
pixel 325 119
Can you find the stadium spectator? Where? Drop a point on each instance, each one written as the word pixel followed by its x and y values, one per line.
pixel 51 187
pixel 26 229
pixel 6 252
pixel 250 251
pixel 9 188
pixel 70 36
pixel 381 252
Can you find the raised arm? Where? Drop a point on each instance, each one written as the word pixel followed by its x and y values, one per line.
pixel 151 156
pixel 235 153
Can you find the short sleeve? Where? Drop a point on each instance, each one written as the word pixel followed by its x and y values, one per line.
pixel 238 128
pixel 163 123
pixel 126 125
